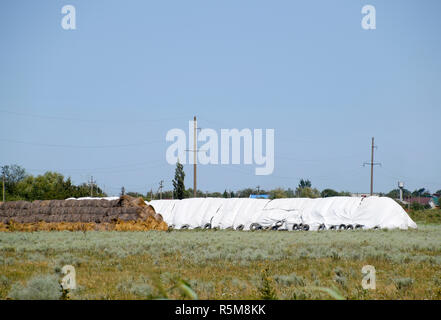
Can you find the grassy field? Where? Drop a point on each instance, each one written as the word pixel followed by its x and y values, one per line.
pixel 224 264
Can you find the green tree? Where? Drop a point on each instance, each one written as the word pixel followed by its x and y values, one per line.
pixel 245 193
pixel 225 194
pixel 277 193
pixel 395 194
pixel 329 193
pixel 305 183
pixel 308 192
pixel 304 189
pixel 178 182
pixel 13 174
pixel 290 193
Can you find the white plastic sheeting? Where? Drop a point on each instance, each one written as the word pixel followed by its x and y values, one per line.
pixel 94 198
pixel 243 213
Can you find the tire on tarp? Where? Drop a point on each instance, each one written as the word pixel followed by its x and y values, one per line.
pixel 342 227
pixel 255 226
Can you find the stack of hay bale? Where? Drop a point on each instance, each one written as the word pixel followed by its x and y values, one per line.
pixel 97 211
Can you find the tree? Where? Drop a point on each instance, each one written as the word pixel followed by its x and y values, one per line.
pixel 225 194
pixel 421 192
pixel 178 182
pixel 395 194
pixel 303 184
pixel 290 193
pixel 308 192
pixel 329 193
pixel 245 193
pixel 277 193
pixel 13 175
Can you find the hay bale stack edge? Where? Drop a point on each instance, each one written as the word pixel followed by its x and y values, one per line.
pixel 120 214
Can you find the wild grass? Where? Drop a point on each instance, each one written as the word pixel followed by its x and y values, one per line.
pixel 212 264
pixel 428 216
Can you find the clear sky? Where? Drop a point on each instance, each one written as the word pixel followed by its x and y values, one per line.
pixel 100 99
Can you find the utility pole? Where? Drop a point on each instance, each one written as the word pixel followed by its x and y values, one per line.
pixel 372 164
pixel 123 191
pixel 195 150
pixel 195 156
pixel 160 188
pixel 91 185
pixel 258 189
pixel 3 182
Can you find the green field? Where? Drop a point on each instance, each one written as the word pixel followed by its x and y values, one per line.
pixel 223 264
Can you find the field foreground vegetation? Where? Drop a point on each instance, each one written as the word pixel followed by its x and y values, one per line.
pixel 222 264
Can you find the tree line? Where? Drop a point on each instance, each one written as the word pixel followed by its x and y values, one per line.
pixel 20 185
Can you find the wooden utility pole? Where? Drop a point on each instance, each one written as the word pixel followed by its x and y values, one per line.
pixel 195 150
pixel 160 189
pixel 91 185
pixel 195 156
pixel 372 164
pixel 372 167
pixel 3 182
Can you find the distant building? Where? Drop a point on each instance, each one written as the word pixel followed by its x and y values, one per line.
pixel 432 201
pixel 259 196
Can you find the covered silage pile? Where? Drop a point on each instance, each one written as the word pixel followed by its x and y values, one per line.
pixel 284 214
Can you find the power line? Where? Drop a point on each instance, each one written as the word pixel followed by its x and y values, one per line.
pixel 80 146
pixel 50 117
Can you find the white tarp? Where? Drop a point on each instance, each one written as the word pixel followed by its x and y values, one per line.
pixel 368 212
pixel 94 198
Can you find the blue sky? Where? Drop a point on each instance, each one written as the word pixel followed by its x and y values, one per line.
pixel 99 100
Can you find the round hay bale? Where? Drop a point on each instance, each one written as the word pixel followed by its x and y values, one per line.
pixel 28 219
pixel 69 203
pixel 36 203
pixel 45 203
pixel 22 204
pixel 112 203
pixel 125 217
pixel 74 217
pixel 9 204
pixel 52 203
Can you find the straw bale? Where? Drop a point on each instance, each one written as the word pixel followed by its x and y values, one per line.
pixel 45 203
pixel 158 217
